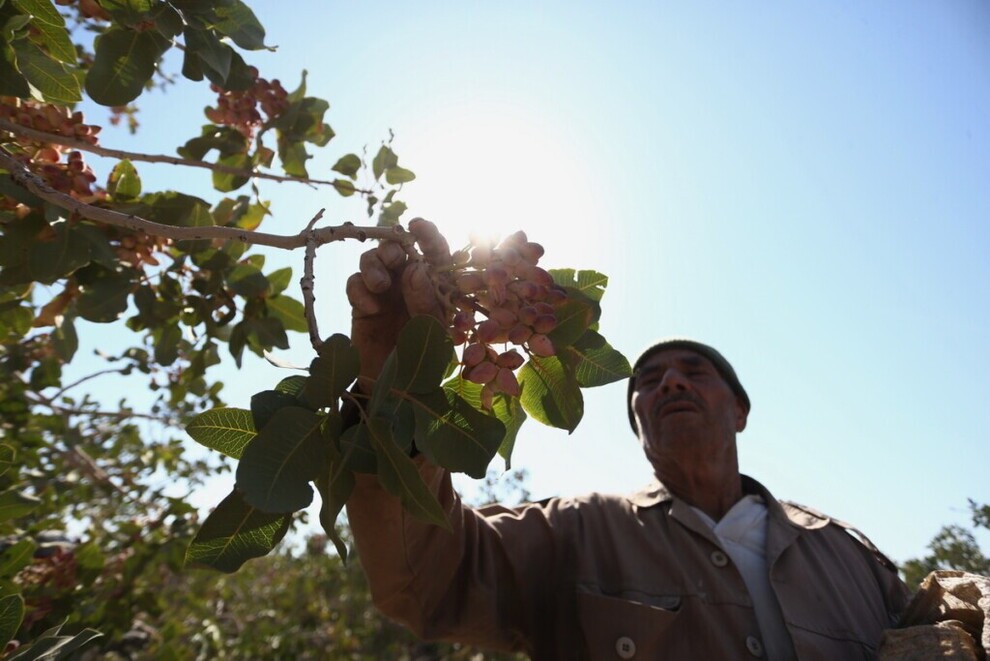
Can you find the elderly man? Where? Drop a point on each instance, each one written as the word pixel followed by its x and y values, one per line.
pixel 703 564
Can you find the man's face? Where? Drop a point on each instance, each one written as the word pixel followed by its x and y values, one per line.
pixel 681 402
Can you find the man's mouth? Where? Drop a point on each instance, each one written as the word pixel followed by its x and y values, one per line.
pixel 680 405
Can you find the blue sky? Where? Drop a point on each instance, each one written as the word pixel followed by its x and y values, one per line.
pixel 802 185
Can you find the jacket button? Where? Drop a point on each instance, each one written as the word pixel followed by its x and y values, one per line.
pixel 754 646
pixel 719 559
pixel 625 647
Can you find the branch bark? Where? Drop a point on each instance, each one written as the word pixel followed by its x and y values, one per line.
pixel 54 138
pixel 26 179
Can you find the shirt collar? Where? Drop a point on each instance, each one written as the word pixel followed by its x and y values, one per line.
pixel 656 493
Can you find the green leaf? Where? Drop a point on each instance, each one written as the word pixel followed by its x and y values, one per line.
pixel 50 645
pixel 241 77
pixel 289 311
pixel 423 352
pixel 53 79
pixel 247 280
pixel 214 56
pixel 335 486
pixel 226 430
pixel 125 61
pixel 331 372
pixel 399 476
pixel 590 283
pixel 167 339
pixel 397 175
pixel 228 181
pixel 348 165
pixel 104 298
pixel 293 156
pixel 550 394
pixel 124 183
pixel 52 259
pixel 16 557
pixel 7 456
pixel 224 139
pixel 292 385
pixel 344 187
pixel 265 403
pixel 278 280
pixel 276 467
pixel 391 213
pixel 574 316
pixel 51 28
pixel 234 533
pixel 594 362
pixel 14 503
pixel 384 159
pixel 15 322
pixel 266 333
pixel 12 82
pixel 454 434
pixel 357 454
pixel 238 22
pixel 510 411
pixel 11 615
pixel 128 12
pixel 64 339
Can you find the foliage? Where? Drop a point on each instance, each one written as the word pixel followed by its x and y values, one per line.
pixel 954 547
pixel 91 526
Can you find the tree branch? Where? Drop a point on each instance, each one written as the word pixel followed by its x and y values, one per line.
pixel 87 378
pixel 65 141
pixel 32 182
pixel 306 284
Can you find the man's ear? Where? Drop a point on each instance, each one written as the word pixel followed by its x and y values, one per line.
pixel 741 415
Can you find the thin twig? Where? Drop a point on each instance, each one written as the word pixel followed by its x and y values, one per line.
pixel 87 378
pixel 32 182
pixel 54 138
pixel 307 282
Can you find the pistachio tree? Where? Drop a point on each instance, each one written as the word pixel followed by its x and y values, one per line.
pixel 185 276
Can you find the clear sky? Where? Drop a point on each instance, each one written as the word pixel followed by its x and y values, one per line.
pixel 805 186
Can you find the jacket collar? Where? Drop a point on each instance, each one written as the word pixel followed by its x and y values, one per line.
pixel 795 515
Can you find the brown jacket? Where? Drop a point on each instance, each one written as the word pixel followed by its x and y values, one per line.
pixel 612 577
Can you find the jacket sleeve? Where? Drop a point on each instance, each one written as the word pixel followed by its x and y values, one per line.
pixel 484 583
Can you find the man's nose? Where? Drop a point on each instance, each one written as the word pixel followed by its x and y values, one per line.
pixel 673 379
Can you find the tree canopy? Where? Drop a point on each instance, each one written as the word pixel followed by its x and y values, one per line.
pixel 94 544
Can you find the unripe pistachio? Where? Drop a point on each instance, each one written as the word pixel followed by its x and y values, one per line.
pixel 555 295
pixel 470 282
pixel 481 256
pixel 528 314
pixel 505 318
pixel 474 354
pixel 545 323
pixel 541 345
pixel 487 396
pixel 505 381
pixel 496 275
pixel 519 333
pixel 531 252
pixel 543 308
pixel 483 372
pixel 464 320
pixel 488 331
pixel 510 359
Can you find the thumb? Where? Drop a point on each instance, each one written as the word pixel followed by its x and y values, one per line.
pixel 420 292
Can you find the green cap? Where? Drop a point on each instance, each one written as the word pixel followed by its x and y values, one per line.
pixel 717 359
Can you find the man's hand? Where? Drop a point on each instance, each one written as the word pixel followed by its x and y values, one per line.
pixel 392 285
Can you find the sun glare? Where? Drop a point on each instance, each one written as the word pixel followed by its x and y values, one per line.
pixel 487 171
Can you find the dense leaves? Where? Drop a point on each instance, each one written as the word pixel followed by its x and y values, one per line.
pixel 96 528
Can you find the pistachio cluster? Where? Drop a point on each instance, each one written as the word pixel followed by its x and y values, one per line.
pixel 500 296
